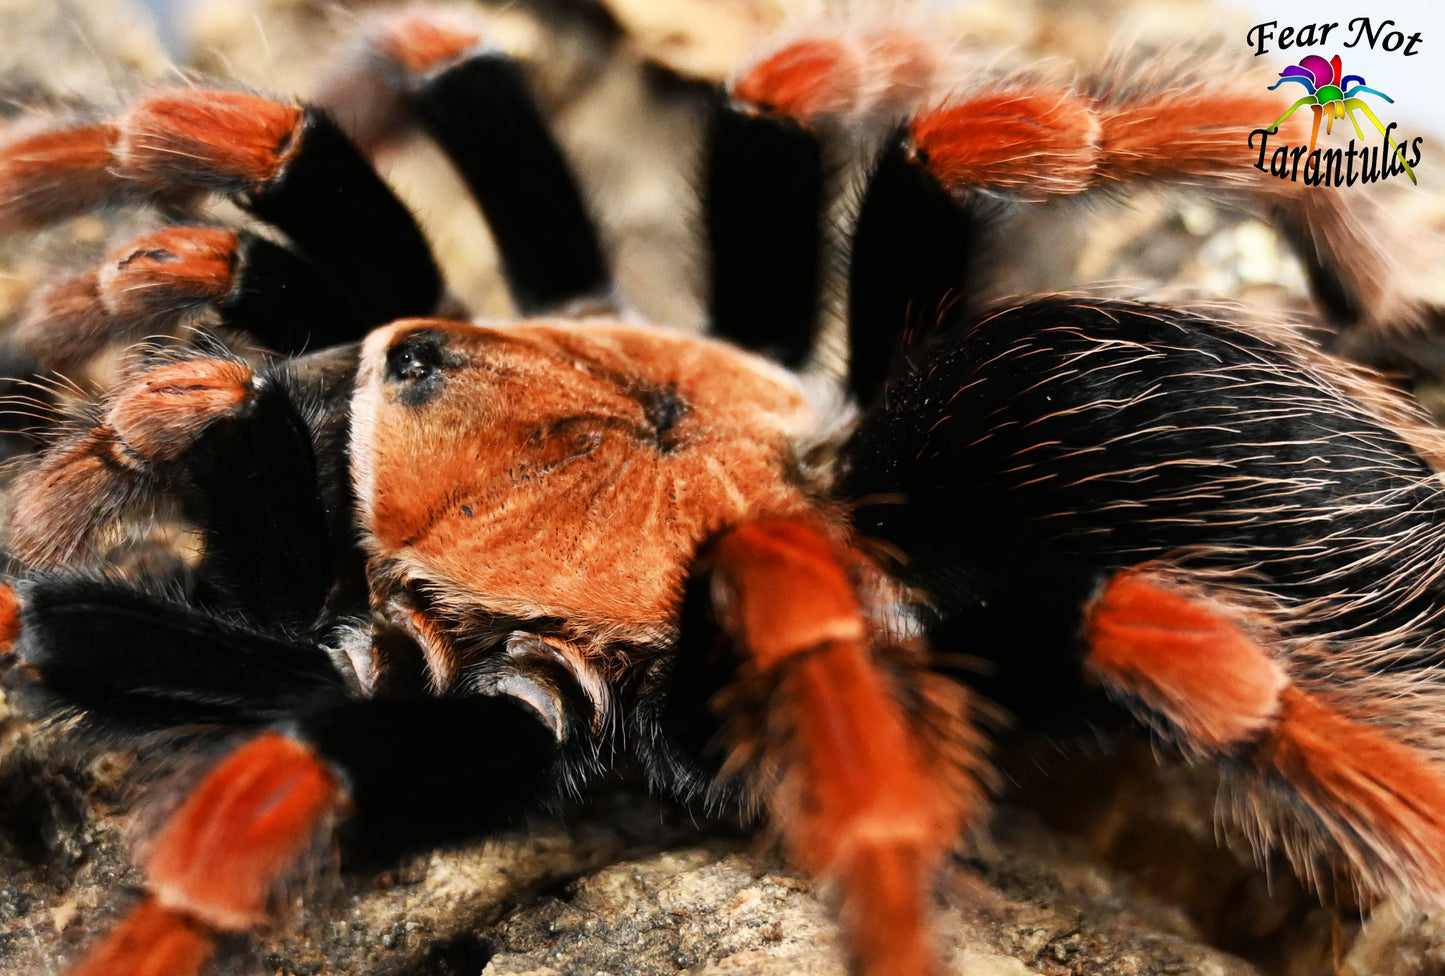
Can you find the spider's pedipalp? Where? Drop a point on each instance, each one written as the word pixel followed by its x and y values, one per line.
pixel 163 288
pixel 388 770
pixel 132 660
pixel 230 450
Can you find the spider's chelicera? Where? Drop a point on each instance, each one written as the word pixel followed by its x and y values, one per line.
pixel 577 542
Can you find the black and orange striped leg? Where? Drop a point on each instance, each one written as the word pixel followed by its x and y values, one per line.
pixel 980 137
pixel 154 292
pixel 913 240
pixel 431 69
pixel 288 164
pixel 158 284
pixel 387 774
pixel 298 172
pixel 770 162
pixel 380 776
pixel 865 759
pixel 1364 803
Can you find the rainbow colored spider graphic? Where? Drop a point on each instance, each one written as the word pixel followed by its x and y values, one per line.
pixel 1328 96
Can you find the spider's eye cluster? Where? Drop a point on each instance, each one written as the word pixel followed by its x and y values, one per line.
pixel 418 360
pixel 415 356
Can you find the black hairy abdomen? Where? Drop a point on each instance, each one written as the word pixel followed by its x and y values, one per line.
pixel 1049 445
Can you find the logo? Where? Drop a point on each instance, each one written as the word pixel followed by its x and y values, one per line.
pixel 1333 96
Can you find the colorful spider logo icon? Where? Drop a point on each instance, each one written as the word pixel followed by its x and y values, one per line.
pixel 1328 96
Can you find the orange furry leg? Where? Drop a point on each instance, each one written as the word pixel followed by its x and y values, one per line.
pixel 1030 141
pixel 9 621
pixel 859 798
pixel 145 289
pixel 166 147
pixel 1185 660
pixel 218 860
pixel 367 92
pixel 151 941
pixel 212 140
pixel 851 74
pixel 1189 133
pixel 1388 790
pixel 55 173
pixel 1200 133
pixel 168 271
pixel 806 79
pixel 1192 662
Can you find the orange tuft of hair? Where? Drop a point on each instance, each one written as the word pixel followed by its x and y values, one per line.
pixel 223 853
pixel 1390 793
pixel 169 270
pixel 806 80
pixel 221 140
pixel 421 40
pixel 151 941
pixel 165 408
pixel 1031 142
pixel 901 68
pixel 56 174
pixel 9 620
pixel 1184 658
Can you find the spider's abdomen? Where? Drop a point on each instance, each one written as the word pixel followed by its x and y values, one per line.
pixel 1057 442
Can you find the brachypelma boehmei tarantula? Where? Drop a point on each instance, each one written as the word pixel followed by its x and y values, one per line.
pixel 575 542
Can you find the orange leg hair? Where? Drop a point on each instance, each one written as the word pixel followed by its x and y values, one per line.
pixel 1197 669
pixel 220 858
pixel 866 795
pixel 1039 140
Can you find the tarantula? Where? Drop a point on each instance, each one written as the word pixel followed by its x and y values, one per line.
pixel 574 542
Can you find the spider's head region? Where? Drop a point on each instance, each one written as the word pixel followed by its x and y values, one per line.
pixel 561 470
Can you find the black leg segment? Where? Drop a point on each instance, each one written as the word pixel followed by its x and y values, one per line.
pixel 912 249
pixel 251 484
pixel 342 216
pixel 428 771
pixel 483 114
pixel 138 662
pixel 287 303
pixel 762 206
